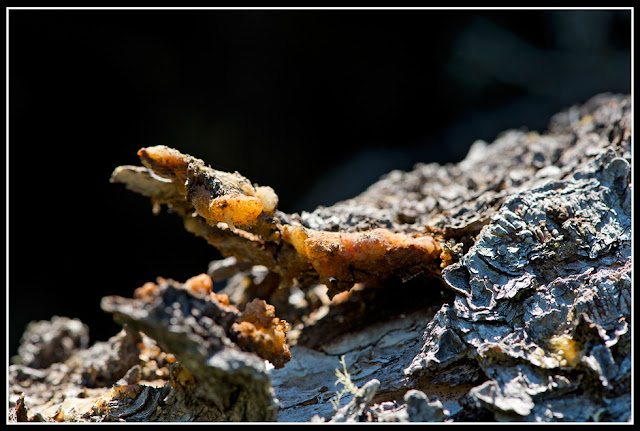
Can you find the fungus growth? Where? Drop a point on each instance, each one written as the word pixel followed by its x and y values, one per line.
pixel 241 219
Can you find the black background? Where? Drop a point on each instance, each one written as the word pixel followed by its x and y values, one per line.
pixel 317 104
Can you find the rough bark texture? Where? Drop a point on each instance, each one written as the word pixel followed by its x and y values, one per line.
pixel 524 313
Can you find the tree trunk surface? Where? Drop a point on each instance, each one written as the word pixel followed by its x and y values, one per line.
pixel 494 289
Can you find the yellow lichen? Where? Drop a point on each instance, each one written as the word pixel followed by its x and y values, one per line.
pixel 567 350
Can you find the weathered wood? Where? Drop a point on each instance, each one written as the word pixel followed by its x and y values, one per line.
pixel 524 314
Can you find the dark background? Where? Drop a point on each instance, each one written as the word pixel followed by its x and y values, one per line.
pixel 316 104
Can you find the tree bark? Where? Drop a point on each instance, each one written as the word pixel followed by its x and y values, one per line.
pixel 498 288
